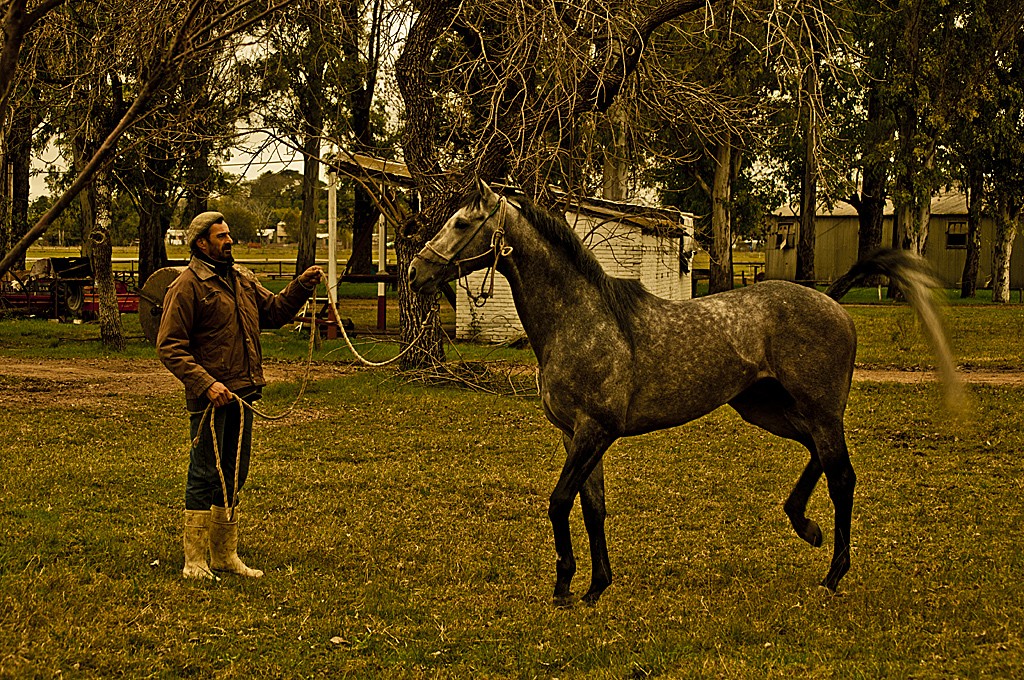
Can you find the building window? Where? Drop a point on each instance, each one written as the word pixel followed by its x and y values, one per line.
pixel 956 235
pixel 784 236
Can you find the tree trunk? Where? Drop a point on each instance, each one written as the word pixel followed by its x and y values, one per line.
pixel 870 207
pixel 415 308
pixel 111 331
pixel 364 210
pixel 154 221
pixel 5 203
pixel 412 73
pixel 306 256
pixel 86 201
pixel 922 220
pixel 364 220
pixel 721 225
pixel 16 184
pixel 809 188
pixel 969 280
pixel 910 227
pixel 871 203
pixel 1002 250
pixel 870 214
pixel 155 209
pixel 616 167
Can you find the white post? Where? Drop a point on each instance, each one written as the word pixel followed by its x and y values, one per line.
pixel 332 231
pixel 382 261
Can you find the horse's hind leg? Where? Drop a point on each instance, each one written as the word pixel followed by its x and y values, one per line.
pixel 592 501
pixel 769 405
pixel 835 462
pixel 796 504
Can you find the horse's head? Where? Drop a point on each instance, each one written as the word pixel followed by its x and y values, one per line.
pixel 470 240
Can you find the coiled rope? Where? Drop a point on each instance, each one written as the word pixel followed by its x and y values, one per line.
pixel 207 413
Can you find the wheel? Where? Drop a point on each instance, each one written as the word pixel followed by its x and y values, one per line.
pixel 70 300
pixel 151 300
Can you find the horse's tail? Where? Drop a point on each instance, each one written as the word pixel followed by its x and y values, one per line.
pixel 914 277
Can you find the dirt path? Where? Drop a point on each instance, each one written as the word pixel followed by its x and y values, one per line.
pixel 84 380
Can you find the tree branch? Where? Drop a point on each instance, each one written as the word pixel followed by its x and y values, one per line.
pixel 600 91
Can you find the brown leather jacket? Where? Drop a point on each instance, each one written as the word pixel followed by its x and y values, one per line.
pixel 211 333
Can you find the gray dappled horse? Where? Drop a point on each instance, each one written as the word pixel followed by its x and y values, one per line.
pixel 617 361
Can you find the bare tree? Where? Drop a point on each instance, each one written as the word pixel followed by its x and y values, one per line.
pixel 492 89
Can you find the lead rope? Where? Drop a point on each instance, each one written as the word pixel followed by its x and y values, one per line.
pixel 337 317
pixel 243 404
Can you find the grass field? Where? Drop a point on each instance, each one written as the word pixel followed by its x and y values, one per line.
pixel 404 532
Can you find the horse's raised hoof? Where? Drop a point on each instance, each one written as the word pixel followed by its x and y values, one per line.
pixel 811 533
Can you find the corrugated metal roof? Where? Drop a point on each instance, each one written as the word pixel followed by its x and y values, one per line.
pixel 952 203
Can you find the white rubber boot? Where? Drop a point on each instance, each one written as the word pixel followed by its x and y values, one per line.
pixel 224 544
pixel 197 540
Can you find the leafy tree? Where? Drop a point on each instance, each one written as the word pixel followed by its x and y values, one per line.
pixel 1006 170
pixel 303 68
pixel 372 31
pixel 704 163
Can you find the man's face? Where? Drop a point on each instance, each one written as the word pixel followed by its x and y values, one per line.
pixel 217 244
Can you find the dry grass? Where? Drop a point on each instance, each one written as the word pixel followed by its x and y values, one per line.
pixel 404 534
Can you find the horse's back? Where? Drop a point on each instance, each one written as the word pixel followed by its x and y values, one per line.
pixel 775 311
pixel 701 353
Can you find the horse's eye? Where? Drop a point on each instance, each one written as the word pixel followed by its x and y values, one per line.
pixel 462 224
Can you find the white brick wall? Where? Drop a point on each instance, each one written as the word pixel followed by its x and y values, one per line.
pixel 622 250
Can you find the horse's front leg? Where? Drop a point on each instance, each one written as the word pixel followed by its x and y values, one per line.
pixel 583 454
pixel 592 500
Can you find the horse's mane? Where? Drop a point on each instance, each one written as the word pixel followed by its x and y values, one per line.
pixel 623 296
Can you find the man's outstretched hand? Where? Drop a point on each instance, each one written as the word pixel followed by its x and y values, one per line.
pixel 311 277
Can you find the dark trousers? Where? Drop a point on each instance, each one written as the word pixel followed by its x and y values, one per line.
pixel 203 487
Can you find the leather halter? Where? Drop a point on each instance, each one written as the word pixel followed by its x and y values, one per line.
pixel 498 250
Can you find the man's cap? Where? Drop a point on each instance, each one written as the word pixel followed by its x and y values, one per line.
pixel 201 225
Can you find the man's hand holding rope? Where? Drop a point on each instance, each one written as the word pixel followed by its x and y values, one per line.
pixel 219 395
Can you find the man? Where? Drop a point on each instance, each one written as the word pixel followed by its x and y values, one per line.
pixel 209 338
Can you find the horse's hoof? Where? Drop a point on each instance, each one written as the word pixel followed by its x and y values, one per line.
pixel 590 599
pixel 563 601
pixel 833 577
pixel 812 533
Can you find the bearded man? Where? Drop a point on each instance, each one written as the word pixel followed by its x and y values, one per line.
pixel 209 338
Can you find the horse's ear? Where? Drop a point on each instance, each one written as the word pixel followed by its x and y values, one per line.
pixel 484 189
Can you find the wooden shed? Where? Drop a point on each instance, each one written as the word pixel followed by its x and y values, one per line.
pixel 835 248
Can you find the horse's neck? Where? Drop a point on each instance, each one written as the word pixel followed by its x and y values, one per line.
pixel 548 289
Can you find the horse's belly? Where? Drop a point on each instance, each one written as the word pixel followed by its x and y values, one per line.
pixel 653 410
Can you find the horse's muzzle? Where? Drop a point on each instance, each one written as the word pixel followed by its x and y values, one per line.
pixel 424 276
